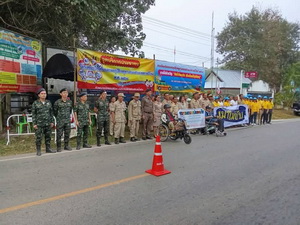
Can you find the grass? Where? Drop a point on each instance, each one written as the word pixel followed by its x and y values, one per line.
pixel 26 144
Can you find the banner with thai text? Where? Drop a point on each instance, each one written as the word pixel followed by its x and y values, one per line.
pixel 20 63
pixel 103 71
pixel 194 118
pixel 233 115
pixel 177 77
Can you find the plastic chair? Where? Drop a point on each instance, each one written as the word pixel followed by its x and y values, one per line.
pixel 23 122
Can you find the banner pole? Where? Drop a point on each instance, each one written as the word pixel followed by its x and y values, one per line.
pixel 75 72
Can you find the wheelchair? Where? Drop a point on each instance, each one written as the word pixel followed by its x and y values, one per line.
pixel 165 133
pixel 212 128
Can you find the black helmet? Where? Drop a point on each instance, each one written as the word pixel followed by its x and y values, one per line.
pixel 167 106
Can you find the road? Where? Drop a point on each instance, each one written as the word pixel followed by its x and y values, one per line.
pixel 252 176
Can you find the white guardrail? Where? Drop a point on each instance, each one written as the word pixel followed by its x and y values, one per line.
pixel 27 121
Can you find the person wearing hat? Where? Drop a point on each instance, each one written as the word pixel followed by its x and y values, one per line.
pixel 134 116
pixel 260 112
pixel 270 110
pixel 83 120
pixel 111 123
pixel 216 103
pixel 119 119
pixel 147 114
pixel 195 102
pixel 166 100
pixel 43 121
pixel 62 109
pixel 175 107
pixel 205 101
pixel 209 118
pixel 101 108
pixel 226 102
pixel 255 106
pixel 168 118
pixel 265 107
pixel 157 112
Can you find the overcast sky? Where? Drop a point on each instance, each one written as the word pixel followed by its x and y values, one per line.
pixel 195 48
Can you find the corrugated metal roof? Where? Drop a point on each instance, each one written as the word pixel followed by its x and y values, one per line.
pixel 231 78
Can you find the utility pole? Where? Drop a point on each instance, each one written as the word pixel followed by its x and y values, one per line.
pixel 212 48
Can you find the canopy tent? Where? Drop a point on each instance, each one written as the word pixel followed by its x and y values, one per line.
pixel 59 66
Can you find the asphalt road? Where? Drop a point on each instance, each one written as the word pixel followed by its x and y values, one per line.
pixel 252 176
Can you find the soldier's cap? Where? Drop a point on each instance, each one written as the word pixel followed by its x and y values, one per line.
pixel 101 92
pixel 82 94
pixel 40 90
pixel 136 95
pixel 147 90
pixel 121 95
pixel 208 107
pixel 62 90
pixel 195 93
pixel 265 97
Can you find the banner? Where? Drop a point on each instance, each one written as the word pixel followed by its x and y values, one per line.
pixel 20 63
pixel 176 77
pixel 98 70
pixel 232 115
pixel 194 118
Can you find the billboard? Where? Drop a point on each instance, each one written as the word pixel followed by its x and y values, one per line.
pixel 96 70
pixel 20 63
pixel 177 77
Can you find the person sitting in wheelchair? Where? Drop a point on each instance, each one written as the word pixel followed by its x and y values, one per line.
pixel 211 120
pixel 167 118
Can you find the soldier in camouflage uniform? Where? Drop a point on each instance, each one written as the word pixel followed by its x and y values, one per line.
pixel 62 112
pixel 83 120
pixel 43 121
pixel 101 108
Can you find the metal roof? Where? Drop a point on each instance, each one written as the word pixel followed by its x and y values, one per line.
pixel 230 78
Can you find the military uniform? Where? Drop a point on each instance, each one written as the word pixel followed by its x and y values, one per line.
pixel 62 112
pixel 42 116
pixel 164 102
pixel 134 117
pixel 82 112
pixel 195 104
pixel 147 110
pixel 111 122
pixel 102 120
pixel 119 109
pixel 175 109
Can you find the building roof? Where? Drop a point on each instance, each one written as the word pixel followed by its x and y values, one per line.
pixel 229 78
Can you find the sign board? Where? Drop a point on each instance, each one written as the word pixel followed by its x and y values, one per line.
pixel 20 63
pixel 96 70
pixel 194 118
pixel 177 77
pixel 232 115
pixel 251 74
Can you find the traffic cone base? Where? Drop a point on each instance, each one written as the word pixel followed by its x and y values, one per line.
pixel 158 173
pixel 158 165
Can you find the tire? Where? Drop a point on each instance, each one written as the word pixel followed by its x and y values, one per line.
pixel 187 139
pixel 163 132
pixel 174 138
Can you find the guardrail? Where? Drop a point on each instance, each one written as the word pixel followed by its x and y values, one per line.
pixel 27 121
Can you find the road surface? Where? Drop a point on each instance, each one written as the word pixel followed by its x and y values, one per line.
pixel 252 176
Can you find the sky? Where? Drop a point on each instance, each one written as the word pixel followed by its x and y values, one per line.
pixel 193 42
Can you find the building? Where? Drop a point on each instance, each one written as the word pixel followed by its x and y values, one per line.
pixel 227 82
pixel 260 87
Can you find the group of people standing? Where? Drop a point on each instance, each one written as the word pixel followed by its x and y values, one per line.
pixel 114 115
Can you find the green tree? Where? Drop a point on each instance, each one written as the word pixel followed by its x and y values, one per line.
pixel 262 41
pixel 104 25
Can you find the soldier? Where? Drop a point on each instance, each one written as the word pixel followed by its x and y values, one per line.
pixel 175 107
pixel 195 102
pixel 119 119
pixel 101 108
pixel 147 113
pixel 43 121
pixel 166 100
pixel 134 116
pixel 62 112
pixel 111 124
pixel 83 120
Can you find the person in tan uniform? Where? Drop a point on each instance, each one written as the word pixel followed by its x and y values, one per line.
pixel 195 102
pixel 119 119
pixel 205 102
pixel 147 113
pixel 134 117
pixel 175 107
pixel 157 111
pixel 166 100
pixel 111 123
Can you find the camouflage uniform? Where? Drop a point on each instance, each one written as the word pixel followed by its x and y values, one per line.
pixel 82 111
pixel 62 112
pixel 42 116
pixel 102 120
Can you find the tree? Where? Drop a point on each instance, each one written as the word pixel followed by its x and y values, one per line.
pixel 104 25
pixel 261 41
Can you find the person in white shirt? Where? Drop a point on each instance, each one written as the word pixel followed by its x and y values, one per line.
pixel 234 101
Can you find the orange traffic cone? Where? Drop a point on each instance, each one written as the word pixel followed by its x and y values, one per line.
pixel 158 164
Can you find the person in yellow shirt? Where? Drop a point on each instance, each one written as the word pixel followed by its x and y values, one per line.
pixel 260 112
pixel 226 102
pixel 245 100
pixel 255 106
pixel 216 103
pixel 270 110
pixel 265 106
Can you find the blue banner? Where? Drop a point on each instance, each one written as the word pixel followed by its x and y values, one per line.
pixel 177 77
pixel 233 115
